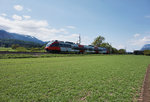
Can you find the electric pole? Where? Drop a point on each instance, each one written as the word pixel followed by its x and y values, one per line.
pixel 79 39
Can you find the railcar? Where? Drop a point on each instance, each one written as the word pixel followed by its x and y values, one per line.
pixel 70 47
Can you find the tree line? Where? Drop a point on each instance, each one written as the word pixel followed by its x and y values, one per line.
pixel 20 45
pixel 99 42
pixel 26 44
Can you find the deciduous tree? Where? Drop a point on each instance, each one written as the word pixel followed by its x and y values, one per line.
pixel 98 41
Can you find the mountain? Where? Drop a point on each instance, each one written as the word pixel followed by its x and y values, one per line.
pixel 6 35
pixel 145 47
pixel 21 43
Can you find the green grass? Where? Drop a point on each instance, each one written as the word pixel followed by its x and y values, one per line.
pixel 12 56
pixel 21 49
pixel 6 49
pixel 72 79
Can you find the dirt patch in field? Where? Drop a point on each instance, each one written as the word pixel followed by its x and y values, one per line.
pixel 85 96
pixel 145 91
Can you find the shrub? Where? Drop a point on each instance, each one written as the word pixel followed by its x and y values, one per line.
pixel 122 51
pixel 21 49
pixel 147 52
pixel 14 46
pixel 35 49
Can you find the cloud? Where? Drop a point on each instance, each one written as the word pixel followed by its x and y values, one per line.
pixel 141 42
pixel 136 35
pixel 16 17
pixel 18 7
pixel 147 16
pixel 29 10
pixel 119 46
pixel 4 14
pixel 26 17
pixel 71 27
pixel 37 28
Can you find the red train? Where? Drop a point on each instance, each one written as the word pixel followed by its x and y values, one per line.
pixel 70 47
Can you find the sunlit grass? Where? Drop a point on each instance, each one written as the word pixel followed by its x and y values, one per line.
pixel 63 79
pixel 6 49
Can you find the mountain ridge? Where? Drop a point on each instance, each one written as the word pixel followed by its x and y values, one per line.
pixel 7 35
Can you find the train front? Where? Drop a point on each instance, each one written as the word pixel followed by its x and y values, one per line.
pixel 52 46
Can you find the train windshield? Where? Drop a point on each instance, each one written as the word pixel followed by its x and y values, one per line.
pixel 48 44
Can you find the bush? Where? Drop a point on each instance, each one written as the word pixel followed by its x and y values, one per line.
pixel 14 46
pixel 122 51
pixel 115 51
pixel 21 49
pixel 147 52
pixel 35 49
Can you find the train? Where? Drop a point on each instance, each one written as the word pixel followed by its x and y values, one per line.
pixel 56 46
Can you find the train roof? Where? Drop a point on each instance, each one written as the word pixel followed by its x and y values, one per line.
pixel 69 42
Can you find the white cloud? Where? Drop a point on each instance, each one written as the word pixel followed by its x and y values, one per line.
pixel 4 14
pixel 147 16
pixel 136 35
pixel 141 42
pixel 26 17
pixel 37 28
pixel 18 7
pixel 71 27
pixel 29 10
pixel 119 46
pixel 16 17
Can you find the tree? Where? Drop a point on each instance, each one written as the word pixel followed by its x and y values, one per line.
pixel 115 51
pixel 21 49
pixel 108 46
pixel 14 46
pixel 98 41
pixel 122 51
pixel 147 52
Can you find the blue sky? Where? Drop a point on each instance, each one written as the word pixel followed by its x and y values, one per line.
pixel 123 23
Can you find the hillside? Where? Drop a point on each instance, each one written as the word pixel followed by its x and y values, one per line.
pixel 10 42
pixel 6 35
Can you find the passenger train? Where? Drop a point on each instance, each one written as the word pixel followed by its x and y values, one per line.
pixel 70 47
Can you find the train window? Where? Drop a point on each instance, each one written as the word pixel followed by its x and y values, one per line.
pixel 61 45
pixel 90 49
pixel 75 47
pixel 85 48
pixel 49 44
pixel 55 45
pixel 69 46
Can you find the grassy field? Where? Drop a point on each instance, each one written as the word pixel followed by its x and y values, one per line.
pixel 13 56
pixel 21 49
pixel 6 49
pixel 72 79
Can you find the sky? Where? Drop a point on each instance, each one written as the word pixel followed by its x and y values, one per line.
pixel 123 23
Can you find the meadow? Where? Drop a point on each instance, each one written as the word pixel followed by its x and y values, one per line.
pixel 21 49
pixel 108 78
pixel 6 49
